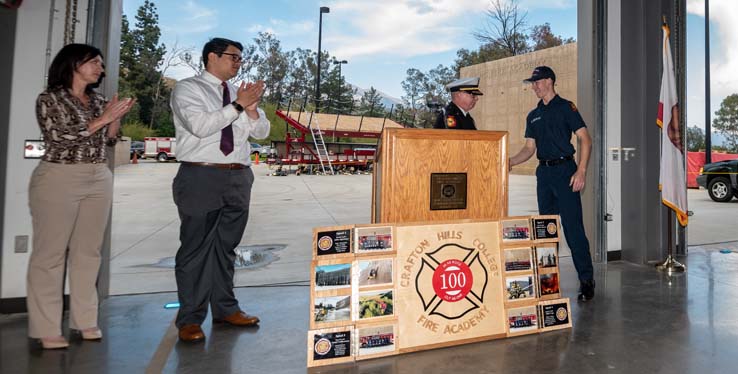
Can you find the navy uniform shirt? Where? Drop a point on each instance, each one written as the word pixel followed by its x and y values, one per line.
pixel 551 127
pixel 453 118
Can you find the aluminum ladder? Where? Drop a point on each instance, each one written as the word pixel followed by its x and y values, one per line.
pixel 320 144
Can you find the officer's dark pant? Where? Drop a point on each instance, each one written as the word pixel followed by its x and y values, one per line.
pixel 556 197
pixel 213 207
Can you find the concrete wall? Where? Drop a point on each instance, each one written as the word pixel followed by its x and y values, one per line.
pixel 507 100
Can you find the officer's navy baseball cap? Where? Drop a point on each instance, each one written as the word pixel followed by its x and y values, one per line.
pixel 541 72
pixel 468 85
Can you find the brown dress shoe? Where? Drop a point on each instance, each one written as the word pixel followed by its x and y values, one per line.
pixel 239 318
pixel 191 333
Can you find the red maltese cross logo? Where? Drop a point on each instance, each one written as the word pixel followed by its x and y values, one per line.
pixel 446 283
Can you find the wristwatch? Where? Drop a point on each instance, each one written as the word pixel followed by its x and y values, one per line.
pixel 238 106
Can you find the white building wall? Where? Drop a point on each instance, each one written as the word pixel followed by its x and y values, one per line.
pixel 613 127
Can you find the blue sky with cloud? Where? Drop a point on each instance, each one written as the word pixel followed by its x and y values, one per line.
pixel 381 39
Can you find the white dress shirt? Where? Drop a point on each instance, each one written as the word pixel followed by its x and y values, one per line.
pixel 199 115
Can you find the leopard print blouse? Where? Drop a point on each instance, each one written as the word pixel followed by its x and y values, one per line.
pixel 63 120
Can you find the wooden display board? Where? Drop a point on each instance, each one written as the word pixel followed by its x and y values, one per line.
pixel 449 284
pixel 410 287
pixel 440 175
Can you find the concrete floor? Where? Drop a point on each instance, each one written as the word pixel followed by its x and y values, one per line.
pixel 641 321
pixel 284 211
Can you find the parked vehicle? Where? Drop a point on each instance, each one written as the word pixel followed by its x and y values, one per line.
pixel 137 148
pixel 262 150
pixel 161 148
pixel 719 178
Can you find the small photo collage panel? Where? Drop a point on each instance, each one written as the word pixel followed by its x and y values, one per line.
pixel 352 314
pixel 547 269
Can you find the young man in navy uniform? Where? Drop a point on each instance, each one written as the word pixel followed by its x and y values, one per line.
pixel 464 95
pixel 560 179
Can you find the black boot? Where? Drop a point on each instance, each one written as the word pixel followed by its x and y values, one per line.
pixel 586 290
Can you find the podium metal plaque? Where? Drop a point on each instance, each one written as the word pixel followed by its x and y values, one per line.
pixel 448 191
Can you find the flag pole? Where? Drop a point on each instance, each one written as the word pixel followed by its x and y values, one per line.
pixel 670 265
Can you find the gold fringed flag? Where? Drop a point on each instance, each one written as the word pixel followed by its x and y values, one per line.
pixel 672 178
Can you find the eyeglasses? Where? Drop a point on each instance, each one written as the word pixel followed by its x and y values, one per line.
pixel 234 57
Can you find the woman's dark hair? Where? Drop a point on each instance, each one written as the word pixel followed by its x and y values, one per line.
pixel 218 46
pixel 66 62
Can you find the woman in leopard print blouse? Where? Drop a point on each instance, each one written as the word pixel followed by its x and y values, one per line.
pixel 70 194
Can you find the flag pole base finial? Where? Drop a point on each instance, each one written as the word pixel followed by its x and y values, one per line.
pixel 670 265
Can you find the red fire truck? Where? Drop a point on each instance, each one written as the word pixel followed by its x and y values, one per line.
pixel 161 148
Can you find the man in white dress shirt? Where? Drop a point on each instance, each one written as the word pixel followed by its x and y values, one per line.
pixel 213 120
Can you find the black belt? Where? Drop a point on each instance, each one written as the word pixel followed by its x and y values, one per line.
pixel 555 161
pixel 233 166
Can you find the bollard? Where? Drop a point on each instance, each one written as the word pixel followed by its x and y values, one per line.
pixel 135 158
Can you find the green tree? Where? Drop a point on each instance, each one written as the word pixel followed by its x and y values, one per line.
pixel 543 38
pixel 136 130
pixel 695 139
pixel 486 52
pixel 370 104
pixel 340 95
pixel 300 80
pixel 726 121
pixel 270 63
pixel 141 57
pixel 425 93
pixel 414 87
pixel 438 78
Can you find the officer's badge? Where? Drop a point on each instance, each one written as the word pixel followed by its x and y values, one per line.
pixel 573 107
pixel 450 122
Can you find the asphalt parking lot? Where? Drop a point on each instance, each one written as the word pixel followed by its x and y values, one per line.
pixel 284 210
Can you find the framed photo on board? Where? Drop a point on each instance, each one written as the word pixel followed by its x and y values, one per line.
pixel 332 276
pixel 375 304
pixel 518 259
pixel 522 320
pixel 515 230
pixel 549 284
pixel 547 256
pixel 376 341
pixel 373 239
pixel 375 272
pixel 520 288
pixel 331 310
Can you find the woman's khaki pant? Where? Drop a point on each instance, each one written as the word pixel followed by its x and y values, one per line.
pixel 70 207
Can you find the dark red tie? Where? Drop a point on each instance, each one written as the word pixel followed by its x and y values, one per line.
pixel 226 134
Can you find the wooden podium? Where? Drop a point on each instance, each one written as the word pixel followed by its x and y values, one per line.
pixel 440 175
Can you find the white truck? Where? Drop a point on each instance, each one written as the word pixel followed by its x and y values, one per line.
pixel 161 148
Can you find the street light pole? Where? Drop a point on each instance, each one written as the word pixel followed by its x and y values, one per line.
pixel 340 77
pixel 323 9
